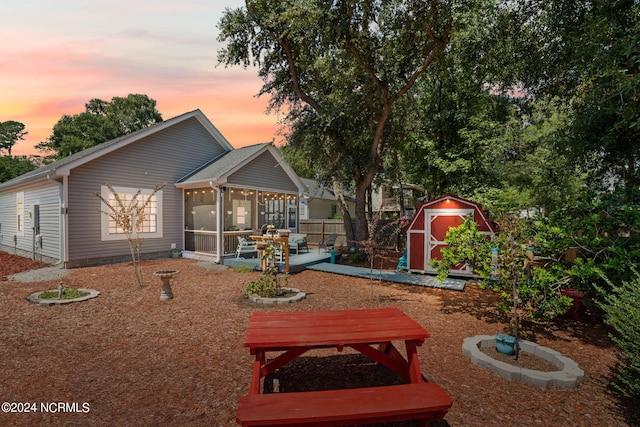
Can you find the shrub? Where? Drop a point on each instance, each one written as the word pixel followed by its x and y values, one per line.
pixel 529 292
pixel 465 245
pixel 264 286
pixel 623 314
pixel 268 284
pixel 604 231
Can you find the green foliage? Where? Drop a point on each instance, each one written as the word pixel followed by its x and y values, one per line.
pixel 67 293
pixel 265 286
pixel 100 122
pixel 269 283
pixel 356 257
pixel 340 69
pixel 603 231
pixel 242 268
pixel 529 292
pixel 11 167
pixel 623 314
pixel 10 133
pixel 304 166
pixel 465 245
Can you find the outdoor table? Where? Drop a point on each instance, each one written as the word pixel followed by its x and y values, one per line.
pixel 294 333
pixel 282 241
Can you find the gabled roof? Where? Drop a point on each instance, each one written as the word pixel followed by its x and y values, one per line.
pixel 476 206
pixel 63 166
pixel 220 168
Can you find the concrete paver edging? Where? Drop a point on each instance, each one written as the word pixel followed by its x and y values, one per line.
pixel 299 296
pixel 35 297
pixel 568 374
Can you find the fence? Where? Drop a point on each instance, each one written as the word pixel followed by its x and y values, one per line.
pixel 317 230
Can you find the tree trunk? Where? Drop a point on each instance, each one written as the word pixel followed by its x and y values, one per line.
pixel 344 209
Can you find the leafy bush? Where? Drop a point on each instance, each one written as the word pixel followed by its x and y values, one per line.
pixel 530 291
pixel 465 245
pixel 604 233
pixel 623 314
pixel 265 286
pixel 269 283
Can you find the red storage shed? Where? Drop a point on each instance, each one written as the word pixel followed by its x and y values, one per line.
pixel 429 226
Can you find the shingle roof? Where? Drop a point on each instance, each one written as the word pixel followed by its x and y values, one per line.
pixel 223 164
pixel 316 190
pixel 50 169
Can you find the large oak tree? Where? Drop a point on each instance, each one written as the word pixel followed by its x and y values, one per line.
pixel 339 69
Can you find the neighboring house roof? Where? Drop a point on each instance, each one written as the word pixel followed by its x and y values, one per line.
pixel 63 166
pixel 315 190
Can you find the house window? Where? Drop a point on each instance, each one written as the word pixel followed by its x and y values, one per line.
pixel 20 213
pixel 141 212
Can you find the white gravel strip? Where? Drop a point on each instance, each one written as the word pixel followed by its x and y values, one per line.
pixel 40 275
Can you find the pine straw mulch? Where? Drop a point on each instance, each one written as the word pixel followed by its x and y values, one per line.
pixel 139 361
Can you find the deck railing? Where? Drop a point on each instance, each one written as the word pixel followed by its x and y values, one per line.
pixel 207 241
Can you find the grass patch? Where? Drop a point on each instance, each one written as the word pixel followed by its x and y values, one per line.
pixel 242 268
pixel 68 293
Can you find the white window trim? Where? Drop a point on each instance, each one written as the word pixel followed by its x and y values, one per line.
pixel 104 219
pixel 19 232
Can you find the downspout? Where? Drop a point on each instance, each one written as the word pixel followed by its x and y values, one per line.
pixel 65 220
pixel 62 221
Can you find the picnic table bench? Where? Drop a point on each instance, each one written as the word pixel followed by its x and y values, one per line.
pixel 345 407
pixel 294 333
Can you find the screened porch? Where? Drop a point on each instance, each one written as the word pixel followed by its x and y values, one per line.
pixel 237 211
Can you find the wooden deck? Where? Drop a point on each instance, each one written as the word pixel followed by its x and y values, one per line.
pixel 297 263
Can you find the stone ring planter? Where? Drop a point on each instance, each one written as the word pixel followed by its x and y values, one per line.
pixel 35 298
pixel 299 296
pixel 568 374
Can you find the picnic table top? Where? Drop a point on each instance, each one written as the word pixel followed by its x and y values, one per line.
pixel 273 330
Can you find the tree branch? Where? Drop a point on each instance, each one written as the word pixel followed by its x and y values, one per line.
pixel 295 77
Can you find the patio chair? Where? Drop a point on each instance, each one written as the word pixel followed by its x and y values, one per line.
pixel 245 247
pixel 297 242
pixel 329 242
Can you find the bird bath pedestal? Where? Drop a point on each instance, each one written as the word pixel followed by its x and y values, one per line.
pixel 165 276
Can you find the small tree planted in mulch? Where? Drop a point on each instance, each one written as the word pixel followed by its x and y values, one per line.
pixel 527 291
pixel 129 216
pixel 269 283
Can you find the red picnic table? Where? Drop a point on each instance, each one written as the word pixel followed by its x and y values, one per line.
pixel 370 332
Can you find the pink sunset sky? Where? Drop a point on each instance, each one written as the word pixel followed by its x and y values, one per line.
pixel 57 55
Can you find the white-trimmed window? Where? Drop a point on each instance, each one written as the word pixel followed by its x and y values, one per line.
pixel 151 224
pixel 20 213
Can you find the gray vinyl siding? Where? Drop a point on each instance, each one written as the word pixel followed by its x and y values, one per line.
pixel 47 196
pixel 7 218
pixel 264 172
pixel 163 157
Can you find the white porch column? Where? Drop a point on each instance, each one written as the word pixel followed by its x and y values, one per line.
pixel 219 222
